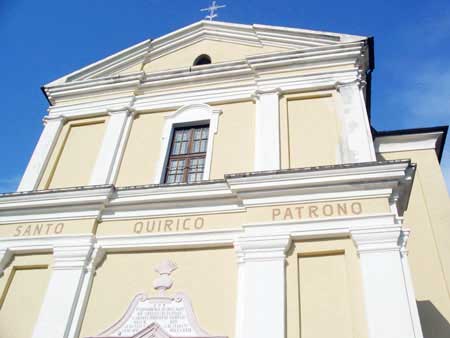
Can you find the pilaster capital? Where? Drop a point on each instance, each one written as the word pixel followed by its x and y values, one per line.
pixel 260 92
pixel 72 257
pixel 357 82
pixel 54 119
pixel 97 258
pixel 378 239
pixel 262 248
pixel 6 256
pixel 121 111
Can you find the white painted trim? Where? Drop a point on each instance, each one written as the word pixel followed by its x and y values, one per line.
pixel 109 150
pixel 193 113
pixel 356 144
pixel 6 256
pixel 390 311
pixel 60 301
pixel 96 259
pixel 200 239
pixel 267 130
pixel 407 142
pixel 262 258
pixel 121 148
pixel 233 194
pixel 41 153
pixel 255 35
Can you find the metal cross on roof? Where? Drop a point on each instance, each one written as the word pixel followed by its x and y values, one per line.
pixel 212 10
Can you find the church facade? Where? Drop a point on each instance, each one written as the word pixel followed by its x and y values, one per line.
pixel 224 180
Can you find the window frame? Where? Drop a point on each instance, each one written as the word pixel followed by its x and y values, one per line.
pixel 188 115
pixel 189 156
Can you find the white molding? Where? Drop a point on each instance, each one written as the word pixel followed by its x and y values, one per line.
pixel 200 239
pixel 235 193
pixel 41 153
pixel 391 309
pixel 60 301
pixel 108 155
pixel 261 258
pixel 253 35
pixel 95 260
pixel 356 144
pixel 193 113
pixel 407 142
pixel 6 256
pixel 267 130
pixel 253 67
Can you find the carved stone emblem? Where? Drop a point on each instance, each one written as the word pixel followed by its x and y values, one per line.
pixel 158 317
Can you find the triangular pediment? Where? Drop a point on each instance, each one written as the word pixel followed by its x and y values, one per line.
pixel 223 42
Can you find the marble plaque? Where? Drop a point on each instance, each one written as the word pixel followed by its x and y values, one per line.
pixel 173 317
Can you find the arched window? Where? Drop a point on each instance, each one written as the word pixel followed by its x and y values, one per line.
pixel 202 60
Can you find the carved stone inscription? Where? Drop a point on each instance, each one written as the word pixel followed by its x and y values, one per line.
pixel 38 229
pixel 317 211
pixel 171 317
pixel 169 225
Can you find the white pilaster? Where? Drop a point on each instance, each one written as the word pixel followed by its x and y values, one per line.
pixel 6 257
pixel 267 131
pixel 63 291
pixel 357 143
pixel 96 259
pixel 41 153
pixel 109 150
pixel 261 308
pixel 389 299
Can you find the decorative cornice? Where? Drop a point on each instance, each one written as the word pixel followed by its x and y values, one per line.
pixel 252 35
pixel 233 193
pixel 407 142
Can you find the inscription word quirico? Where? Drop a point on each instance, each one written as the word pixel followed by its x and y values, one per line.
pixel 317 211
pixel 39 229
pixel 169 224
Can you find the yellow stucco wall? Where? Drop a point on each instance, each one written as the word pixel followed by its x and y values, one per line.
pixel 208 277
pixel 219 51
pixel 309 130
pixel 142 150
pixel 428 217
pixel 74 155
pixel 22 290
pixel 234 143
pixel 324 290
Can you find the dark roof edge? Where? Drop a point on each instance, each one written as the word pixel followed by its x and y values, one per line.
pixel 371 51
pixel 439 146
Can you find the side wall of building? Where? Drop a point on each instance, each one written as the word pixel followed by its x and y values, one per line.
pixel 428 217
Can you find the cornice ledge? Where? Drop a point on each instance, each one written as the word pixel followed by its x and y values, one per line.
pixel 56 198
pixel 325 175
pixel 407 142
pixel 34 244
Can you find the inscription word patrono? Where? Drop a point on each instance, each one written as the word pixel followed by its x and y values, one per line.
pixel 316 211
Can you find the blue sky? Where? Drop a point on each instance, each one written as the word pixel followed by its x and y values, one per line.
pixel 43 40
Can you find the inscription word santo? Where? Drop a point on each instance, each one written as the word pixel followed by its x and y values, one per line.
pixel 169 224
pixel 317 211
pixel 39 229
